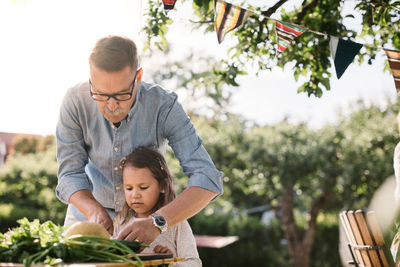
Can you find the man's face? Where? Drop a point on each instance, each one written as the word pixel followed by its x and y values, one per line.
pixel 109 83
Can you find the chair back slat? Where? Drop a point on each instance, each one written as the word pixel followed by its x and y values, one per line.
pixel 365 238
pixel 347 229
pixel 358 237
pixel 377 236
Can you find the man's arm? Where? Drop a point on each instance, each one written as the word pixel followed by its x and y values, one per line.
pixel 73 186
pixel 187 204
pixel 92 209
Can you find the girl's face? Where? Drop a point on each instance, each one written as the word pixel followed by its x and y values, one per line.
pixel 141 189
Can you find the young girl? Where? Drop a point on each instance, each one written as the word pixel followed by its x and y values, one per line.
pixel 148 186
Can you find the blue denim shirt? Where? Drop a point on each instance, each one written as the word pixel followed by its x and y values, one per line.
pixel 89 147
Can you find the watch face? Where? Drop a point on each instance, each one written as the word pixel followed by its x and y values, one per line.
pixel 160 221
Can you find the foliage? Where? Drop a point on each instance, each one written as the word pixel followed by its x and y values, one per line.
pixel 34 242
pixel 324 252
pixel 206 89
pixel 370 136
pixel 257 243
pixel 309 56
pixel 25 144
pixel 301 173
pixel 30 144
pixel 27 188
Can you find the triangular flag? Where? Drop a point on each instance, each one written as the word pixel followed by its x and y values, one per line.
pixel 168 5
pixel 285 33
pixel 228 17
pixel 343 53
pixel 394 64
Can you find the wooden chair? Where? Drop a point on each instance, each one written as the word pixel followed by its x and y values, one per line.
pixel 366 243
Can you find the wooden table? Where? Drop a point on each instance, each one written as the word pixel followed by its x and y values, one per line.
pixel 147 259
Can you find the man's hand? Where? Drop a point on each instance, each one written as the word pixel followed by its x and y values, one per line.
pixel 141 230
pixel 101 217
pixel 92 209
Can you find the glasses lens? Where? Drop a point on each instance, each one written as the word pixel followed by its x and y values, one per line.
pixel 123 97
pixel 100 97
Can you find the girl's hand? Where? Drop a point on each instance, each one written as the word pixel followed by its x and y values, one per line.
pixel 162 249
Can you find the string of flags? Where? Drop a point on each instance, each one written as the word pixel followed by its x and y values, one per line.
pixel 228 17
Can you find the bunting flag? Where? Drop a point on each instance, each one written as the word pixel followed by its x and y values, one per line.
pixel 285 33
pixel 343 53
pixel 394 64
pixel 228 17
pixel 168 5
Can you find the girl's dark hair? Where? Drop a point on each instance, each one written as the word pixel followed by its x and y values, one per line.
pixel 144 157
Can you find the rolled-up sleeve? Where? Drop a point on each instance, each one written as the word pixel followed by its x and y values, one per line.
pixel 188 148
pixel 72 156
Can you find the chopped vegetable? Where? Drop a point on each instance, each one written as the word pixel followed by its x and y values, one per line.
pixel 86 228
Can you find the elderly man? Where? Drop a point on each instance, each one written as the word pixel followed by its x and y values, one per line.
pixel 107 117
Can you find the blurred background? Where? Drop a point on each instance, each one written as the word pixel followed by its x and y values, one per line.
pixel 296 145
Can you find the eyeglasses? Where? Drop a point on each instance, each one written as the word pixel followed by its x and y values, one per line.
pixel 117 97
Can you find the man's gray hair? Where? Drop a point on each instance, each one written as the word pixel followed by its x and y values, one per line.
pixel 114 53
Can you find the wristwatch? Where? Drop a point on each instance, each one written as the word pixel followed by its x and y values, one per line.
pixel 160 222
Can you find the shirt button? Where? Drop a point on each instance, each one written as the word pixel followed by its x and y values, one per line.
pixel 116 169
pixel 117 202
pixel 112 126
pixel 116 149
pixel 117 187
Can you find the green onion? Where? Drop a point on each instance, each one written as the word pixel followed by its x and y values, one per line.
pixel 35 243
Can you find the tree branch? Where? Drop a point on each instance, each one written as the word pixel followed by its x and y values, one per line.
pixel 289 226
pixel 201 21
pixel 273 9
pixel 308 238
pixel 305 10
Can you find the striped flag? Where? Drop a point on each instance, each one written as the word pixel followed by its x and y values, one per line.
pixel 343 53
pixel 394 64
pixel 228 17
pixel 285 33
pixel 168 5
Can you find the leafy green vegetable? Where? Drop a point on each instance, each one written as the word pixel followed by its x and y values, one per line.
pixel 33 242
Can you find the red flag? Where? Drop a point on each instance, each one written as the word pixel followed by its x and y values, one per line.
pixel 168 5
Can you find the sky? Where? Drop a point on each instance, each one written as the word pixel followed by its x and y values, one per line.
pixel 45 45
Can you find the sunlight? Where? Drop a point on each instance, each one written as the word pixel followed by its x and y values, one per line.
pixel 45 46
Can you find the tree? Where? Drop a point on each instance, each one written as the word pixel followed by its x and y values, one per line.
pixel 309 56
pixel 301 173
